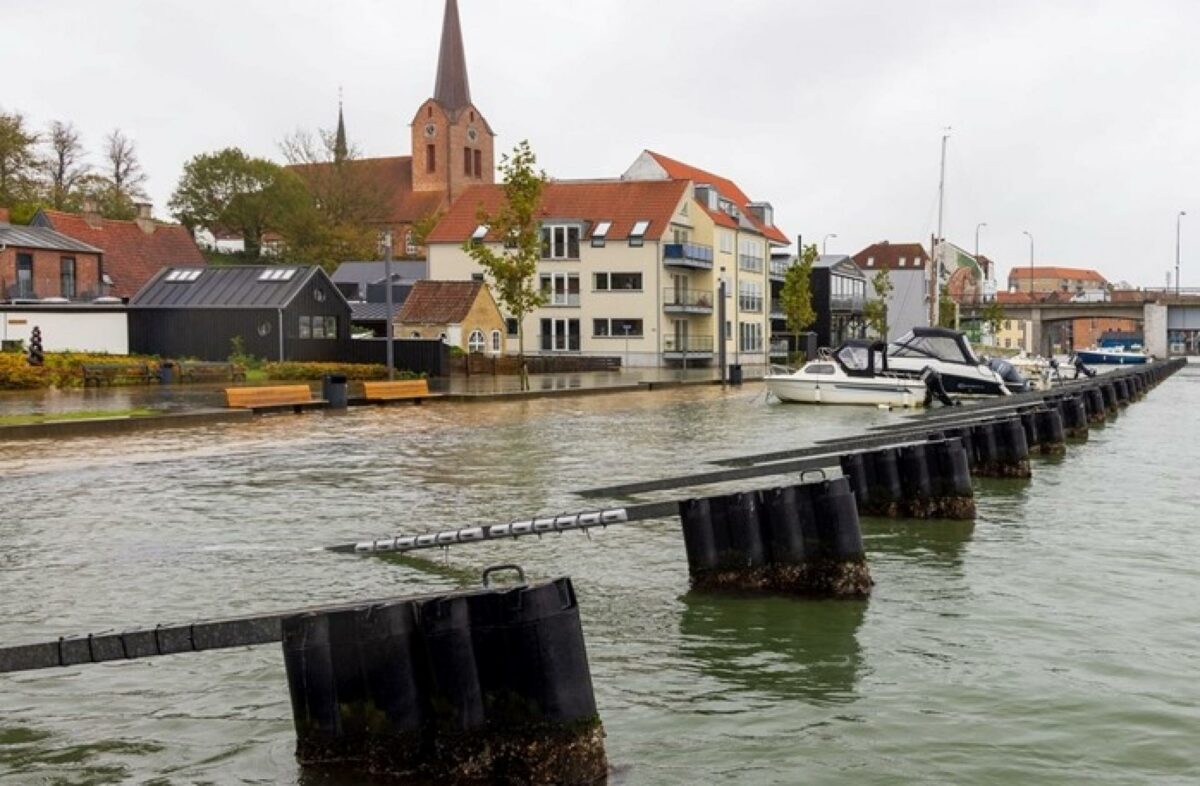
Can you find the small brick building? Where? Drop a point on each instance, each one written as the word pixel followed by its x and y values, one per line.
pixel 38 263
pixel 461 313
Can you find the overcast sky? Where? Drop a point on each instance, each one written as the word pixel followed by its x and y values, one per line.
pixel 1076 121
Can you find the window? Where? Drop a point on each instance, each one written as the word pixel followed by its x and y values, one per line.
pixel 475 343
pixel 618 328
pixel 478 163
pixel 561 289
pixel 750 336
pixel 750 296
pixel 750 256
pixel 600 234
pixel 467 161
pixel 901 262
pixel 496 341
pixel 818 369
pixel 606 282
pixel 477 277
pixel 870 261
pixel 728 329
pixel 511 327
pixel 726 239
pixel 186 275
pixel 430 158
pixel 66 277
pixel 273 274
pixel 560 242
pixel 24 275
pixel 319 327
pixel 331 327
pixel 410 244
pixel 680 235
pixel 305 327
pixel 637 235
pixel 415 334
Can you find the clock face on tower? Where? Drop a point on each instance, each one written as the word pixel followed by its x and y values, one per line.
pixel 472 134
pixel 430 130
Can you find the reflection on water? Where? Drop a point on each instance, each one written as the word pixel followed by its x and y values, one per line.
pixel 934 543
pixel 783 648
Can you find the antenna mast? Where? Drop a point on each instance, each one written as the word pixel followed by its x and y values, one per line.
pixel 935 263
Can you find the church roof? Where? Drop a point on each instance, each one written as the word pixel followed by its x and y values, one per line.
pixel 453 89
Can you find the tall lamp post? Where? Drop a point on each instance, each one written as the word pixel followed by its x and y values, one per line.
pixel 1028 235
pixel 825 243
pixel 978 227
pixel 1178 237
pixel 391 328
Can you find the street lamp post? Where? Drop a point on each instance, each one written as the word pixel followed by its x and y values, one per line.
pixel 978 227
pixel 1178 237
pixel 825 243
pixel 1030 236
pixel 627 326
pixel 391 328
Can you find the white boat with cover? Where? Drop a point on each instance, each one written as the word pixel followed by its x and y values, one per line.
pixel 854 373
pixel 948 353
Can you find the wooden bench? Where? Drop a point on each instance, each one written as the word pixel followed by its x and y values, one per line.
pixel 405 390
pixel 281 397
pixel 108 373
pixel 197 371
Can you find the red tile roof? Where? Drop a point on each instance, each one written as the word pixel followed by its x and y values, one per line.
pixel 439 302
pixel 727 188
pixel 623 202
pixel 887 256
pixel 1071 273
pixel 131 256
pixel 392 179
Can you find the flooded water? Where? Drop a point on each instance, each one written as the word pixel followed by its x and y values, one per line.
pixel 1052 640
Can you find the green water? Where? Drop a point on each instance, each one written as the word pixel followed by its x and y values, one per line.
pixel 1050 641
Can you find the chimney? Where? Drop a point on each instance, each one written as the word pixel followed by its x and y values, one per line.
pixel 91 213
pixel 144 220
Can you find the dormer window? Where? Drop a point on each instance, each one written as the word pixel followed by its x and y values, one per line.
pixel 637 235
pixel 902 262
pixel 479 234
pixel 870 261
pixel 600 234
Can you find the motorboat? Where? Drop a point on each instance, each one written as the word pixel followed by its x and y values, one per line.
pixel 855 373
pixel 1112 357
pixel 946 352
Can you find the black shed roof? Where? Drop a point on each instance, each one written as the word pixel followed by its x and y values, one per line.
pixel 236 286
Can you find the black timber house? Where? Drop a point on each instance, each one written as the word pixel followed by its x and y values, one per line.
pixel 278 312
pixel 839 296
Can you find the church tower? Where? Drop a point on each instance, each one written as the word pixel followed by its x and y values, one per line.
pixel 453 147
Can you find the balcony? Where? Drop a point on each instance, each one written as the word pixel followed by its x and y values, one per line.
pixel 687 301
pixel 559 343
pixel 562 300
pixel 676 347
pixel 777 313
pixel 750 303
pixel 852 304
pixel 780 349
pixel 779 268
pixel 750 263
pixel 691 255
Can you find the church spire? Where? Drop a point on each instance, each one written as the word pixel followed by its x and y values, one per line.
pixel 340 151
pixel 452 90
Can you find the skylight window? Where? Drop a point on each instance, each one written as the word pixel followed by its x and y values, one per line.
pixel 637 235
pixel 184 276
pixel 479 234
pixel 600 233
pixel 277 274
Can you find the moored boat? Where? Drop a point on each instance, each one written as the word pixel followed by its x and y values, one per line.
pixel 848 375
pixel 1112 357
pixel 948 353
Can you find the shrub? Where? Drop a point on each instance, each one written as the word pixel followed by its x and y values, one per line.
pixel 312 371
pixel 61 369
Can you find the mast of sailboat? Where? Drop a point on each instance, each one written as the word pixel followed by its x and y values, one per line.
pixel 935 263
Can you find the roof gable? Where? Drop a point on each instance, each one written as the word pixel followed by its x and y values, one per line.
pixel 887 256
pixel 440 302
pixel 42 238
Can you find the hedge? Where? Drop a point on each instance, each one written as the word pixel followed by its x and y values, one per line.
pixel 312 371
pixel 61 369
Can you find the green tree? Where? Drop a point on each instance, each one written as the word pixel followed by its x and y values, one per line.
pixel 993 316
pixel 876 311
pixel 18 160
pixel 947 311
pixel 512 268
pixel 230 190
pixel 796 296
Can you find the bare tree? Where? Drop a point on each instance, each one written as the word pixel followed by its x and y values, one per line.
pixel 124 171
pixel 64 164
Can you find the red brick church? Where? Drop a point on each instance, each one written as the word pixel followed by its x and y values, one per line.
pixel 452 147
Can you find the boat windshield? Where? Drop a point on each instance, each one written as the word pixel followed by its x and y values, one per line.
pixel 948 348
pixel 854 358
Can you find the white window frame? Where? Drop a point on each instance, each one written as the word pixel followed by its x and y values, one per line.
pixel 560 241
pixel 637 235
pixel 476 342
pixel 497 342
pixel 600 233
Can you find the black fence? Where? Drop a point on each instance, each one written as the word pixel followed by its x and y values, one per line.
pixel 423 356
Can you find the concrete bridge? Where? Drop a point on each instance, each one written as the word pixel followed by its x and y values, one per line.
pixel 1161 315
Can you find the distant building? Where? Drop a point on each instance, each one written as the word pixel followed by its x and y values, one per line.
pixel 134 251
pixel 906 263
pixel 37 263
pixel 363 281
pixel 461 313
pixel 274 312
pixel 839 294
pixel 1070 280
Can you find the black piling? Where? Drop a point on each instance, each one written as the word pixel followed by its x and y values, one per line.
pixel 798 540
pixel 490 686
pixel 1052 436
pixel 1097 407
pixel 1008 455
pixel 1109 391
pixel 1075 416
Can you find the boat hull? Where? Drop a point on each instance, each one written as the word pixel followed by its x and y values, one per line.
pixel 838 391
pixel 1101 358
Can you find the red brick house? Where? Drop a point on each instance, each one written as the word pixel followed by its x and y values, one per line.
pixel 38 263
pixel 134 251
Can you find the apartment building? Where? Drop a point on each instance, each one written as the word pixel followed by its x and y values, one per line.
pixel 631 269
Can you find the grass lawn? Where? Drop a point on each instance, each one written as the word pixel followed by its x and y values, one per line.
pixel 22 420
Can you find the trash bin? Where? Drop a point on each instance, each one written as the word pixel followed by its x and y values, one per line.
pixel 168 372
pixel 333 390
pixel 735 374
